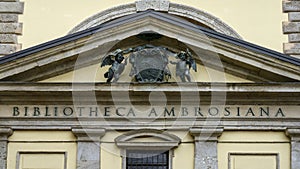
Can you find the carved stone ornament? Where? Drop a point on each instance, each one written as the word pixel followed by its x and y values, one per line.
pixel 149 64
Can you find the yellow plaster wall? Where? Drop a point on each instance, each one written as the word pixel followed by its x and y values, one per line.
pixel 255 20
pixel 110 156
pixel 42 149
pixel 252 145
pixel 95 74
pixel 249 148
pixel 184 156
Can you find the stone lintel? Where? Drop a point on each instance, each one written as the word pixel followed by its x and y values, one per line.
pixel 12 7
pixel 157 5
pixel 88 134
pixel 206 134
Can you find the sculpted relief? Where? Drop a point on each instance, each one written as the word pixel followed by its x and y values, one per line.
pixel 149 64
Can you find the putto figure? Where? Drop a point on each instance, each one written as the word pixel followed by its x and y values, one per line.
pixel 183 66
pixel 114 59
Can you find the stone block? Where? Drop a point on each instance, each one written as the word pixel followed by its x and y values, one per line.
pixel 9 17
pixel 158 5
pixel 291 48
pixel 294 37
pixel 294 16
pixel 88 155
pixel 3 154
pixel 296 56
pixel 8 38
pixel 206 155
pixel 12 7
pixel 290 6
pixel 14 28
pixel 9 48
pixel 9 0
pixel 291 27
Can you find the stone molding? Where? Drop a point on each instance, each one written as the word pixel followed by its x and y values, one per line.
pixel 88 147
pixel 70 50
pixel 158 5
pixel 206 134
pixel 294 134
pixel 10 27
pixel 206 148
pixel 88 134
pixel 168 141
pixel 5 133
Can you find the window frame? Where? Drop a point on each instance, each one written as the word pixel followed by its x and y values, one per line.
pixel 169 160
pixel 167 142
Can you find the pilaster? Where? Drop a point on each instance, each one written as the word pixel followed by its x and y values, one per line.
pixel 4 134
pixel 294 134
pixel 291 27
pixel 206 153
pixel 88 147
pixel 10 28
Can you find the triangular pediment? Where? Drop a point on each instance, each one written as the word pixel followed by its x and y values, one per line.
pixel 216 54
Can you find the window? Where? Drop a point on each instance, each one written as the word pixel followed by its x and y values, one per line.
pixel 141 159
pixel 147 149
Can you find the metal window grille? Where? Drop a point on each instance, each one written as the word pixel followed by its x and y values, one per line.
pixel 141 159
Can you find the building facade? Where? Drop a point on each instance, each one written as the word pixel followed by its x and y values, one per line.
pixel 149 84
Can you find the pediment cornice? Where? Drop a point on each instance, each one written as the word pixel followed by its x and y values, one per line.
pixel 88 47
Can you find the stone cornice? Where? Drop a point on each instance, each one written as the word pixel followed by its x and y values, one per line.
pixel 206 134
pixel 67 93
pixel 5 133
pixel 284 87
pixel 88 134
pixel 161 5
pixel 294 134
pixel 166 140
